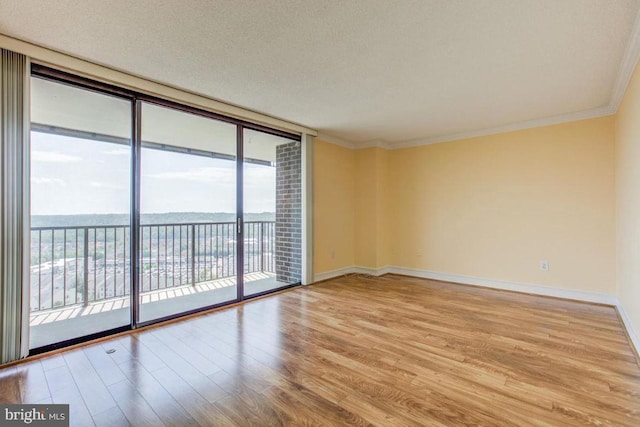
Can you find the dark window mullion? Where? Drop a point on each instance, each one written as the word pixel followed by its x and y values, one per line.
pixel 239 228
pixel 134 241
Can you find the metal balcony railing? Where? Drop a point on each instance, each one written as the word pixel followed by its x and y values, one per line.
pixel 85 264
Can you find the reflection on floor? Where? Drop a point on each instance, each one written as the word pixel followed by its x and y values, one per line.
pixel 355 350
pixel 55 326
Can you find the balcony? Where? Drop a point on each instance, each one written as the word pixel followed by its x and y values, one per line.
pixel 80 275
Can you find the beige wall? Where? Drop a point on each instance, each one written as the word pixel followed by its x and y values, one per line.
pixel 366 238
pixel 493 207
pixel 350 207
pixel 371 242
pixel 627 137
pixel 334 207
pixel 382 208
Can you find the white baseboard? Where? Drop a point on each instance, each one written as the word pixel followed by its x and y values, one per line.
pixel 331 274
pixel 633 336
pixel 571 294
pixel 354 269
pixel 372 271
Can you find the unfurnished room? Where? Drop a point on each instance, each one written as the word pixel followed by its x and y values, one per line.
pixel 320 213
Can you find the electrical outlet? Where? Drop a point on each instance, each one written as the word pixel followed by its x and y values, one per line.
pixel 333 254
pixel 544 265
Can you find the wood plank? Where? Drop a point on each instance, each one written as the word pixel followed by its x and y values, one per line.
pixel 361 351
pixel 103 364
pixel 10 386
pixel 133 405
pixel 78 412
pixel 161 401
pixel 93 390
pixel 33 383
pixel 110 418
pixel 197 406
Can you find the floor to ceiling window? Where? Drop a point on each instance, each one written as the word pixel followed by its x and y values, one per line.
pixel 188 239
pixel 272 190
pixel 80 278
pixel 143 210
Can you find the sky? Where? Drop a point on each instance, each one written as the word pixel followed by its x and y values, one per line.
pixel 77 176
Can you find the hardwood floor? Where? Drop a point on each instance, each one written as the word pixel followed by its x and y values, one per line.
pixel 392 351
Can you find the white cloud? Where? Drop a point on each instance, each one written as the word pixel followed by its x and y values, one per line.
pixel 48 181
pixel 106 185
pixel 53 157
pixel 117 152
pixel 260 174
pixel 219 175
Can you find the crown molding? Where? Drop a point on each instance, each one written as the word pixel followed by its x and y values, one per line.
pixel 353 145
pixel 59 59
pixel 627 67
pixel 629 61
pixel 336 141
pixel 374 143
pixel 547 121
pixel 55 58
pixel 528 124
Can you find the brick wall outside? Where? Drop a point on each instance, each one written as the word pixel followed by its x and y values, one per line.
pixel 289 212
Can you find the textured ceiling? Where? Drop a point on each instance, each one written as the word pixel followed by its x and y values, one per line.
pixel 359 70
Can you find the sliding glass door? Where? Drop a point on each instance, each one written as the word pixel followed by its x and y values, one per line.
pixel 144 210
pixel 272 193
pixel 188 234
pixel 80 278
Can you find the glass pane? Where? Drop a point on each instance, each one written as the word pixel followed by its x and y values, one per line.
pixel 188 212
pixel 272 196
pixel 80 212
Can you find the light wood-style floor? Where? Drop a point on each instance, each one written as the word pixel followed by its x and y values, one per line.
pixel 391 351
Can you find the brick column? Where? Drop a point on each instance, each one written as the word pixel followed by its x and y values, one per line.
pixel 289 213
